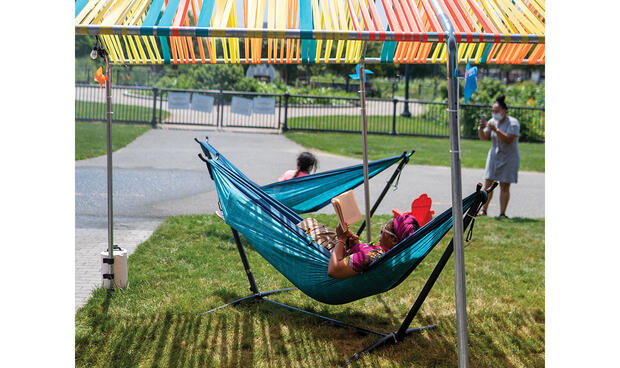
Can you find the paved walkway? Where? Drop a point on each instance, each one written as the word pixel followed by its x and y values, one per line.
pixel 159 175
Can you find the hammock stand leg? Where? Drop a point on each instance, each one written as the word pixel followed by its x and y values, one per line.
pixel 404 329
pixel 262 295
pixel 399 168
pixel 256 294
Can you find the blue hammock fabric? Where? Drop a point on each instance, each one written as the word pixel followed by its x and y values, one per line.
pixel 312 192
pixel 271 229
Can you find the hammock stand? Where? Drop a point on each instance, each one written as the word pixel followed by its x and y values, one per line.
pixel 384 338
pixel 506 33
pixel 256 294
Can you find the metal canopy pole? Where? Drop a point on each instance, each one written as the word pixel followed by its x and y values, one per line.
pixel 457 209
pixel 457 190
pixel 365 141
pixel 108 91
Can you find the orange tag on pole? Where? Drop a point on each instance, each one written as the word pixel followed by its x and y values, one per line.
pixel 99 77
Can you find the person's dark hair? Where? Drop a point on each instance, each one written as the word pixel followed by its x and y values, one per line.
pixel 305 162
pixel 501 101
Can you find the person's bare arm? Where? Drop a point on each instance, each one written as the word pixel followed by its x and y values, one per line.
pixel 503 136
pixel 482 134
pixel 337 268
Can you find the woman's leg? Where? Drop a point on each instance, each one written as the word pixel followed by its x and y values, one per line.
pixel 504 197
pixel 487 186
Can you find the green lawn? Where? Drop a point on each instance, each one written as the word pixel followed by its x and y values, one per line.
pixel 122 112
pixel 190 264
pixel 375 123
pixel 429 151
pixel 90 137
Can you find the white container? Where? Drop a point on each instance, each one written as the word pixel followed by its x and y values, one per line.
pixel 121 277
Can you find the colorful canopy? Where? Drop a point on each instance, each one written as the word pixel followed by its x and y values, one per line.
pixel 314 31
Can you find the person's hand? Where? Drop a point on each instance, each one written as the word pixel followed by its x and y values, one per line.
pixel 352 239
pixel 492 126
pixel 340 232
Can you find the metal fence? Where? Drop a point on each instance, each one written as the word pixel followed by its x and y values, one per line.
pixel 295 112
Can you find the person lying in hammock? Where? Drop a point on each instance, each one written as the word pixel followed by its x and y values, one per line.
pixel 350 257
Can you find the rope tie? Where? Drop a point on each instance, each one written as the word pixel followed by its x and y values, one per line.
pixel 397 180
pixel 470 232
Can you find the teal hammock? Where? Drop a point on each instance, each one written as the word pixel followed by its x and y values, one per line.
pixel 312 192
pixel 270 227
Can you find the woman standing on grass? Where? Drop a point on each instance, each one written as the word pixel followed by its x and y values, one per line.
pixel 504 159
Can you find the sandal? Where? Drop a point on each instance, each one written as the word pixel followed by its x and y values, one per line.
pixel 503 216
pixel 482 213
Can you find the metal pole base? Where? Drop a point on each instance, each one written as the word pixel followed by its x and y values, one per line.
pixel 386 340
pixel 262 297
pixel 259 295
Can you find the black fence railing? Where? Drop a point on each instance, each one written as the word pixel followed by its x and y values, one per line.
pixel 224 109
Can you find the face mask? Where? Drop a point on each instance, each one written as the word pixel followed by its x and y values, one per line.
pixel 498 117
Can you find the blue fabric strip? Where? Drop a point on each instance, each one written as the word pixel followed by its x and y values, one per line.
pixel 152 15
pixel 387 50
pixel 204 20
pixel 485 53
pixel 169 12
pixel 79 5
pixel 166 21
pixel 305 8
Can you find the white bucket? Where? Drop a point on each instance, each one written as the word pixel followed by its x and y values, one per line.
pixel 121 276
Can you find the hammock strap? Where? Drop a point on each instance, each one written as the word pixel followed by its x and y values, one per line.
pixel 471 229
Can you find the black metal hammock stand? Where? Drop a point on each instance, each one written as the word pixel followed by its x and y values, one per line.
pixel 235 189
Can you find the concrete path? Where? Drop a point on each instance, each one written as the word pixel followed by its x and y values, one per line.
pixel 159 175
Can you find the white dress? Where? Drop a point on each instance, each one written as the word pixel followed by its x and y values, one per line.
pixel 503 160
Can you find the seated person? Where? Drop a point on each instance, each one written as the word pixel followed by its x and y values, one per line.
pixel 345 263
pixel 306 162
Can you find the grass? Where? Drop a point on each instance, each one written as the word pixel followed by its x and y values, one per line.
pixel 122 112
pixel 90 137
pixel 376 124
pixel 429 151
pixel 190 264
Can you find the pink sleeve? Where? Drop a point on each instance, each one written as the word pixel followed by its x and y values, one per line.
pixel 355 260
pixel 288 174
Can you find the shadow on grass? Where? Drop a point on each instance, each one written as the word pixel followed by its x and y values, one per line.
pixel 259 335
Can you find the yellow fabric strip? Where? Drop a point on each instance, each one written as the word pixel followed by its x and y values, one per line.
pixel 490 10
pixel 438 53
pixel 90 10
pixel 94 12
pixel 341 24
pixel 271 24
pixel 316 17
pixel 131 50
pixel 539 6
pixel 513 16
pixel 282 21
pixel 328 26
pixel 117 13
pixel 260 16
pixel 234 42
pixel 536 25
pixel 139 8
pixel 110 48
